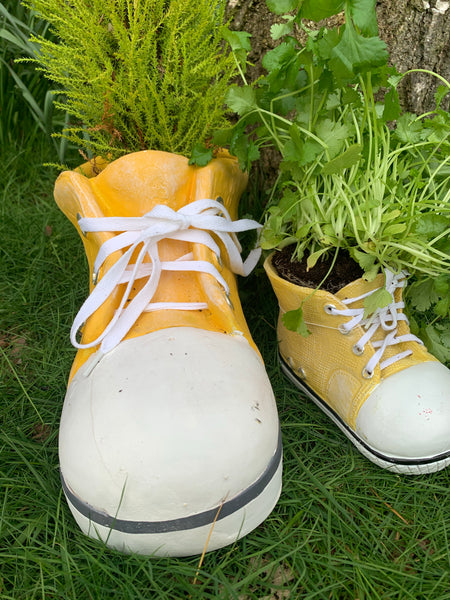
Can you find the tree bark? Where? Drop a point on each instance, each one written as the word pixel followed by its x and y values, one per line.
pixel 417 34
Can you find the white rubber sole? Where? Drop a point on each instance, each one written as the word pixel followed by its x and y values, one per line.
pixel 187 536
pixel 394 464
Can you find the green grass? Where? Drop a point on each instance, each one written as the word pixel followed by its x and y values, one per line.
pixel 343 528
pixel 27 110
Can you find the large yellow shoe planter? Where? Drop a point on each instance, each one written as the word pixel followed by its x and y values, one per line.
pixel 169 438
pixel 371 376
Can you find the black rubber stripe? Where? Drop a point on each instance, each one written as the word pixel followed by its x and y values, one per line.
pixel 326 408
pixel 191 522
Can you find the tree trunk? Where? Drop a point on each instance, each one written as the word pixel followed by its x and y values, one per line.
pixel 417 33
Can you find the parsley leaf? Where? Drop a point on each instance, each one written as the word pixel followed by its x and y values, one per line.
pixel 356 53
pixel 378 299
pixel 408 130
pixel 422 295
pixel 241 100
pixel 201 155
pixel 280 56
pixel 282 6
pixel 333 135
pixel 435 343
pixel 364 16
pixel 347 159
pixel 240 44
pixel 294 321
pixel 316 10
pixel 430 225
pixel 279 30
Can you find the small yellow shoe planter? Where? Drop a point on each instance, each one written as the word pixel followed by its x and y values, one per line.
pixel 169 438
pixel 372 377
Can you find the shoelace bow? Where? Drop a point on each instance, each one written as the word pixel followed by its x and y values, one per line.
pixel 195 223
pixel 387 318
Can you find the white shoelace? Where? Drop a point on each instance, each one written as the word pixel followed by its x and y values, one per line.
pixel 387 318
pixel 195 223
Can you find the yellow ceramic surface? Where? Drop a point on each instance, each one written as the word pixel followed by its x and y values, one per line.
pixel 325 359
pixel 132 186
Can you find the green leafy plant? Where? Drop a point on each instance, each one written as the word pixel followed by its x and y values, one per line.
pixel 356 173
pixel 136 75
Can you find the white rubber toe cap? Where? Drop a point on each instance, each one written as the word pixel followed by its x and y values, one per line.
pixel 168 424
pixel 408 414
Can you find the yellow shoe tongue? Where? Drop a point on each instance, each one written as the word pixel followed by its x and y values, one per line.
pixel 134 184
pixel 358 288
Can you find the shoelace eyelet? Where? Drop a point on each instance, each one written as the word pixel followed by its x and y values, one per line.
pixel 358 350
pixel 367 374
pixel 329 309
pixel 300 372
pixel 343 329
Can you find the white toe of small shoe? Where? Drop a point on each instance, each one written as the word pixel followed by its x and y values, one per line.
pixel 405 422
pixel 173 434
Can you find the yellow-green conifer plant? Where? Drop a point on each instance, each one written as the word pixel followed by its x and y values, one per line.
pixel 137 74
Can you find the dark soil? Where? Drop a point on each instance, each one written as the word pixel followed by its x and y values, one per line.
pixel 344 272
